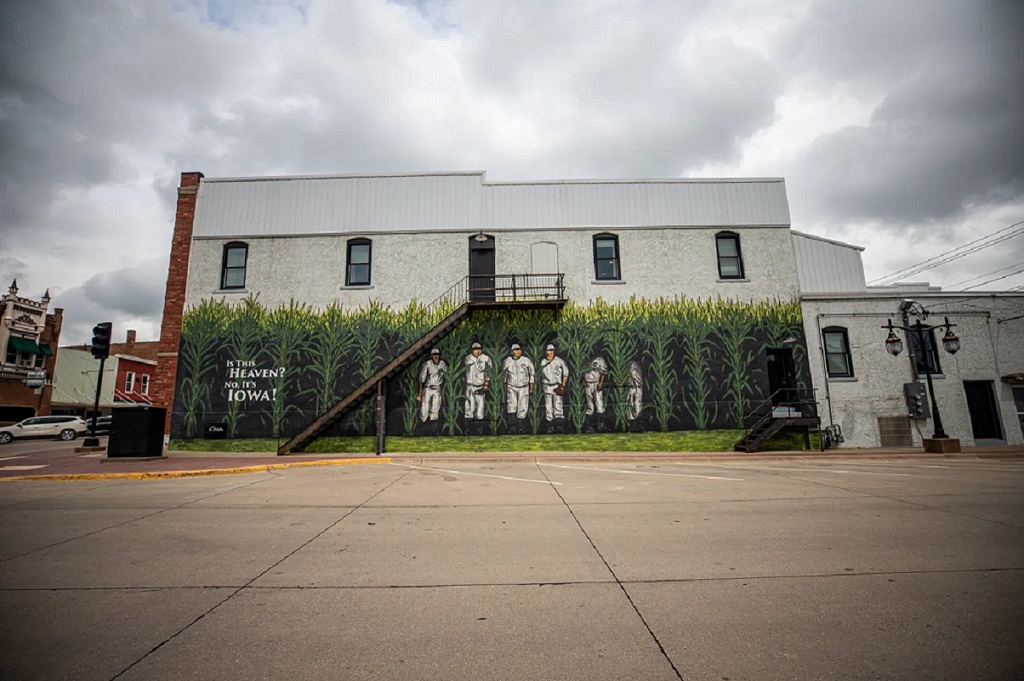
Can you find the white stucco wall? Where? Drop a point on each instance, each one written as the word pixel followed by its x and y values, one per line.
pixel 654 263
pixel 992 345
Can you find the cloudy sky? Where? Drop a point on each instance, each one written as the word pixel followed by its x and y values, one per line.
pixel 898 124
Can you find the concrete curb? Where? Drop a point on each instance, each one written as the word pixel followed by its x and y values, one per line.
pixel 157 475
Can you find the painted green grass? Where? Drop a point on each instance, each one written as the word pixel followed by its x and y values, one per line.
pixel 681 441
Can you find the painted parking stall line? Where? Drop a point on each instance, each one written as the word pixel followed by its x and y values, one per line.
pixel 479 475
pixel 841 471
pixel 21 468
pixel 622 472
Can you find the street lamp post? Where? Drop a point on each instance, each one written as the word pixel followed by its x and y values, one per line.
pixel 950 344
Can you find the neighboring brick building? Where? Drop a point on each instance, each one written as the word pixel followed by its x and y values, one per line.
pixel 128 377
pixel 29 338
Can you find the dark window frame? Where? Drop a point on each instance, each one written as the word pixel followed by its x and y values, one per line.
pixel 616 260
pixel 224 269
pixel 349 279
pixel 921 357
pixel 735 238
pixel 845 353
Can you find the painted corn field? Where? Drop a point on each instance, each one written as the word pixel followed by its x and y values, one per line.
pixel 645 365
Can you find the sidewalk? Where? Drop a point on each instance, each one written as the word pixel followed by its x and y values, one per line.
pixel 66 464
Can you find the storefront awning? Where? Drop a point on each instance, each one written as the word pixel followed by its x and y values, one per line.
pixel 46 350
pixel 25 345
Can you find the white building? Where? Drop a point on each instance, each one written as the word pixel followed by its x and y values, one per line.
pixel 350 241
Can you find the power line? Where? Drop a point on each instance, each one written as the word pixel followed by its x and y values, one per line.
pixel 978 244
pixel 952 286
pixel 995 279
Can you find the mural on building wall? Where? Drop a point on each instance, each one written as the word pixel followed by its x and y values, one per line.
pixel 679 364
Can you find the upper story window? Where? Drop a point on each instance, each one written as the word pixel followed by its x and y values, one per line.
pixel 144 384
pixel 357 270
pixel 730 258
pixel 926 356
pixel 236 254
pixel 837 352
pixel 129 382
pixel 606 257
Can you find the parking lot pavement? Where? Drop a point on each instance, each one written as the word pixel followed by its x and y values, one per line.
pixel 551 570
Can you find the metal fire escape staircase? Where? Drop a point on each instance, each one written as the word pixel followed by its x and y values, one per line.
pixel 474 292
pixel 787 408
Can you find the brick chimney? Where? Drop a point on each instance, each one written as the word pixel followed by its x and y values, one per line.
pixel 174 297
pixel 130 337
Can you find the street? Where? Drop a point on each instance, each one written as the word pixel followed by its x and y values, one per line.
pixel 756 570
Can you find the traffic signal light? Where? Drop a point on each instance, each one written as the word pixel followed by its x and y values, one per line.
pixel 101 340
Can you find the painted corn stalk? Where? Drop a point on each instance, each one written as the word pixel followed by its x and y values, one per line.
pixel 202 330
pixel 576 341
pixel 244 335
pixel 411 323
pixel 454 347
pixel 693 319
pixel 618 328
pixel 371 328
pixel 658 333
pixel 735 327
pixel 287 340
pixel 332 339
pixel 491 330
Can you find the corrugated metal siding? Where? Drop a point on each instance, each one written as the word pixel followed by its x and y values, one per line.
pixel 826 266
pixel 463 202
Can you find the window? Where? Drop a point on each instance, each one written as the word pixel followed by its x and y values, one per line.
pixel 730 259
pixel 233 271
pixel 837 352
pixel 926 356
pixel 144 384
pixel 129 382
pixel 606 257
pixel 357 272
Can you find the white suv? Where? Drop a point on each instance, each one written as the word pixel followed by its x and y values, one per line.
pixel 64 427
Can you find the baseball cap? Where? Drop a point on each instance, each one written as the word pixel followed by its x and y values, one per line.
pixel 515 346
pixel 477 346
pixel 550 347
pixel 435 351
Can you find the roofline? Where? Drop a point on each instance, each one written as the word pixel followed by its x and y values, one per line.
pixel 828 241
pixel 902 295
pixel 482 175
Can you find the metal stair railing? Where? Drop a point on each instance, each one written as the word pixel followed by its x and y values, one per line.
pixel 800 400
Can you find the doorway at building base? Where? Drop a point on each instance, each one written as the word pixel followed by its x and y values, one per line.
pixel 661 365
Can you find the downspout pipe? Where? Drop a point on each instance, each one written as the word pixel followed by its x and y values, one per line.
pixel 824 369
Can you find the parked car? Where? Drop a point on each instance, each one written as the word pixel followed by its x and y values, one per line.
pixel 102 425
pixel 64 427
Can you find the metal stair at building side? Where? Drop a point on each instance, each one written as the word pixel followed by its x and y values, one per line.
pixel 786 408
pixel 474 292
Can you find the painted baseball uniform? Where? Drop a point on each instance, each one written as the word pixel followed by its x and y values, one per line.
pixel 552 373
pixel 593 385
pixel 518 375
pixel 635 391
pixel 432 378
pixel 476 379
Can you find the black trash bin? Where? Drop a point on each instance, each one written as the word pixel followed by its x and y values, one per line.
pixel 137 432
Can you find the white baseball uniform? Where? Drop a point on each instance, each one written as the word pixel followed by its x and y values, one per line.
pixel 518 375
pixel 476 378
pixel 552 372
pixel 432 378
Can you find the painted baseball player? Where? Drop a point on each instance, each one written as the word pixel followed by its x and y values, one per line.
pixel 518 373
pixel 593 385
pixel 432 377
pixel 634 391
pixel 477 381
pixel 554 374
